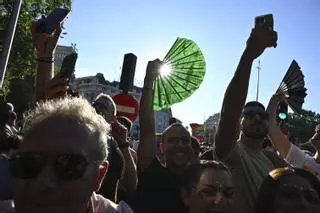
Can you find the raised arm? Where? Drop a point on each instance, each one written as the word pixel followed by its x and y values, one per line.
pixel 237 90
pixel 279 141
pixel 146 149
pixel 45 46
pixel 129 180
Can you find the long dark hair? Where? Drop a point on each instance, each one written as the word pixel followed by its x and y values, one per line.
pixel 268 189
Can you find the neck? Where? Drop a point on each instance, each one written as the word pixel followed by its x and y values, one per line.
pixel 255 144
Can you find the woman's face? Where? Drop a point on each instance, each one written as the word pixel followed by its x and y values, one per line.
pixel 295 194
pixel 212 194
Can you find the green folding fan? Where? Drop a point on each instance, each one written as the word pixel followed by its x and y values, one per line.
pixel 182 72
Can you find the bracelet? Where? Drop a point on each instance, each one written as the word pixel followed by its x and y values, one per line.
pixel 124 145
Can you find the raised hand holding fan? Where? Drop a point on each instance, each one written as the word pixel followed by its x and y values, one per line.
pixel 182 72
pixel 293 86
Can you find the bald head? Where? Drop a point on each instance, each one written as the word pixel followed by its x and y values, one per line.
pixel 177 149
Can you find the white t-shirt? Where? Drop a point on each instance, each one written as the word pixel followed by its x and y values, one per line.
pixel 296 157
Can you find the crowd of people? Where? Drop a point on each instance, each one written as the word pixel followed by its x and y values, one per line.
pixel 74 156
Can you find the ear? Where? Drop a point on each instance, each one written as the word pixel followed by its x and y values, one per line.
pixel 103 168
pixel 185 196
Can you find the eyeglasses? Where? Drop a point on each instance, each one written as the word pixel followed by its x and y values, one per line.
pixel 252 114
pixel 28 165
pixel 294 191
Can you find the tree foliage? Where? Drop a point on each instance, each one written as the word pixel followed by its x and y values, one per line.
pixel 22 61
pixel 22 93
pixel 19 83
pixel 302 125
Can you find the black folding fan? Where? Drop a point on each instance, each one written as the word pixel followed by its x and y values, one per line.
pixel 294 87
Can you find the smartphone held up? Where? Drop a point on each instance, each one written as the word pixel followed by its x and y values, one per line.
pixel 264 19
pixel 68 65
pixel 56 17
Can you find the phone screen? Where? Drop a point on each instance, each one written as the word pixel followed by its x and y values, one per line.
pixel 56 17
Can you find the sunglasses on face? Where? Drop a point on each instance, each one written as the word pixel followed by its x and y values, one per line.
pixel 252 114
pixel 294 192
pixel 28 165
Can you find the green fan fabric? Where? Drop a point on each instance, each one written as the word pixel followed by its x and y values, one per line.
pixel 188 68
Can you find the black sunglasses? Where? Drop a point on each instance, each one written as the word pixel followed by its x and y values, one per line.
pixel 252 114
pixel 28 165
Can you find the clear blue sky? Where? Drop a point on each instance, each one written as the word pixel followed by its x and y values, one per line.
pixel 105 30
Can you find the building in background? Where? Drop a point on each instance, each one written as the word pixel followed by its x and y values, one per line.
pixel 60 53
pixel 91 86
pixel 210 127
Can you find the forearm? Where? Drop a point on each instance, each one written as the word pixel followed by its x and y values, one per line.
pixel 234 100
pixel 277 138
pixel 129 181
pixel 146 107
pixel 236 93
pixel 146 149
pixel 45 72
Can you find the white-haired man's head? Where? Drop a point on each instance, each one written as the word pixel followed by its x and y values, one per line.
pixel 105 106
pixel 75 110
pixel 63 158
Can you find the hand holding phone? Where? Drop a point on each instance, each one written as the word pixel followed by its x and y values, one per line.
pixel 262 36
pixel 55 18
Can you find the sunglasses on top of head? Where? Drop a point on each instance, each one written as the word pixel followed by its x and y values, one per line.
pixel 252 114
pixel 28 165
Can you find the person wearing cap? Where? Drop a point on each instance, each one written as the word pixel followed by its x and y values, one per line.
pixel 290 152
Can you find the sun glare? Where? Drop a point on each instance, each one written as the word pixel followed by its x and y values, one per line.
pixel 165 70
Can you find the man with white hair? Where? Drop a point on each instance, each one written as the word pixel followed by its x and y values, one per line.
pixel 62 161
